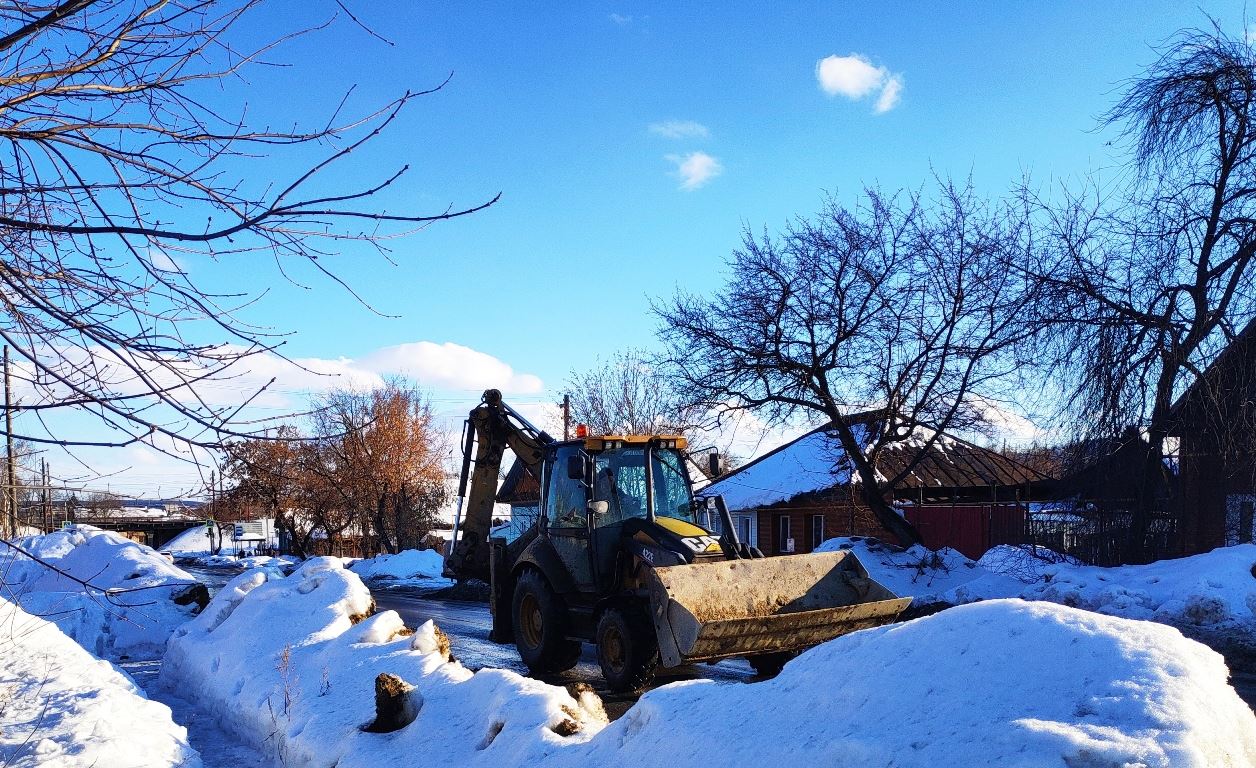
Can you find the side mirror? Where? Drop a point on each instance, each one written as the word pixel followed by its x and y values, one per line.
pixel 598 508
pixel 715 464
pixel 578 467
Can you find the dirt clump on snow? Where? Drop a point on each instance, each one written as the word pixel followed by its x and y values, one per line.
pixel 357 618
pixel 196 593
pixel 396 704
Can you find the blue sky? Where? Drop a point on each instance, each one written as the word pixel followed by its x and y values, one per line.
pixel 587 118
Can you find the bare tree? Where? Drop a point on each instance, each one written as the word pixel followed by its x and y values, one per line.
pixel 122 161
pixel 892 321
pixel 1150 277
pixel 628 394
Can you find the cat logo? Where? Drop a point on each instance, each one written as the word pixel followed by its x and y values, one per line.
pixel 700 543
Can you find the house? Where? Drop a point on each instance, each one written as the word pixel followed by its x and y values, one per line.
pixel 1215 426
pixel 959 495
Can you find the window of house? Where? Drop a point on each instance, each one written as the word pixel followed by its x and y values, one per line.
pixel 817 531
pixel 784 540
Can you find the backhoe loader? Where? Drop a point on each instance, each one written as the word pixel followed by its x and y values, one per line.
pixel 623 556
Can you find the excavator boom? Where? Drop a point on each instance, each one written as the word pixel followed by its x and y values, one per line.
pixel 491 427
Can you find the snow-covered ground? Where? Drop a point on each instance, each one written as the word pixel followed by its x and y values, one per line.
pixel 63 707
pixel 1215 590
pixel 289 664
pixel 423 566
pixel 135 601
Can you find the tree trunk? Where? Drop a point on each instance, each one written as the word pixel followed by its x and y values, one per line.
pixel 873 494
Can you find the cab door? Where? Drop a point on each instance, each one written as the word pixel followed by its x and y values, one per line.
pixel 567 518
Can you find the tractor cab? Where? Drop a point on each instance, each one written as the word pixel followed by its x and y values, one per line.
pixel 600 491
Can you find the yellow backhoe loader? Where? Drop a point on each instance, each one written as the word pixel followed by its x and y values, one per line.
pixel 623 556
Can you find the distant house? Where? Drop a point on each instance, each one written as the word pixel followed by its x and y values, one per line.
pixel 1215 423
pixel 959 495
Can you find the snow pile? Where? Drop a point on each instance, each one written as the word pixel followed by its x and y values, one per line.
pixel 1000 683
pixel 1214 589
pixel 930 577
pixel 64 707
pixel 407 564
pixel 147 596
pixel 289 664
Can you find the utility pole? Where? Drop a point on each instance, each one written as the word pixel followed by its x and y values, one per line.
pixel 10 475
pixel 566 416
pixel 43 466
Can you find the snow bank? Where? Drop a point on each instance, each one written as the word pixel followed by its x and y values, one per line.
pixel 1002 683
pixel 1216 589
pixel 117 625
pixel 289 664
pixel 407 564
pixel 928 576
pixel 64 707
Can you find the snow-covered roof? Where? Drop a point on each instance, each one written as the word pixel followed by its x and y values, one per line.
pixel 816 461
pixel 813 462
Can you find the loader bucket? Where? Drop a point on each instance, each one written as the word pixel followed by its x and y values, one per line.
pixel 716 610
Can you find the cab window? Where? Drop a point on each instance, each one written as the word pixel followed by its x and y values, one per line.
pixel 564 498
pixel 619 479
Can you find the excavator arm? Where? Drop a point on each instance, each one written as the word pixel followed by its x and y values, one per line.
pixel 491 428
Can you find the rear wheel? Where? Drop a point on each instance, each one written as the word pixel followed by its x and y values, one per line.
pixel 540 623
pixel 626 649
pixel 770 664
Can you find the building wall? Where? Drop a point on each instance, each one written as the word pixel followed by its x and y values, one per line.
pixel 840 517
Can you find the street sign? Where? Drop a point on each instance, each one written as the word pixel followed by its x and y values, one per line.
pixel 250 530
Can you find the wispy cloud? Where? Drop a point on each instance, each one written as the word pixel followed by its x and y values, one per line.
pixel 890 94
pixel 695 169
pixel 620 19
pixel 855 77
pixel 680 129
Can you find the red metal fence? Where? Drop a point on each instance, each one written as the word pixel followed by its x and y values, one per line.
pixel 969 528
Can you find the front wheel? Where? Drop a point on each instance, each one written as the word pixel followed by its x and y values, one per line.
pixel 540 624
pixel 626 649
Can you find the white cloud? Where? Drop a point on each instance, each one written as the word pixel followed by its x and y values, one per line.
pixel 855 77
pixel 890 94
pixel 449 366
pixel 620 19
pixel 695 169
pixel 680 129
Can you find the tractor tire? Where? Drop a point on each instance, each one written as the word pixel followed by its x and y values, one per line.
pixel 540 625
pixel 627 649
pixel 771 664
